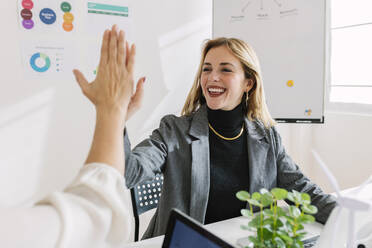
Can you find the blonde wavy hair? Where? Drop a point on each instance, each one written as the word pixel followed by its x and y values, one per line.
pixel 255 104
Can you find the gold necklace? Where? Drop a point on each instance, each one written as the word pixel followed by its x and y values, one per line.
pixel 225 138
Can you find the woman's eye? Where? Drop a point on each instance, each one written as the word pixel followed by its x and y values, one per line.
pixel 206 69
pixel 226 70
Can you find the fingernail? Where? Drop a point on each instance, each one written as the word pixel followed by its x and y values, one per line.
pixel 144 79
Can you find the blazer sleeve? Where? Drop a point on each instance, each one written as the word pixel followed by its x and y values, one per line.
pixel 148 158
pixel 289 176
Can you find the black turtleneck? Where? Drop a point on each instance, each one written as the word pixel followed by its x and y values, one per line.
pixel 228 165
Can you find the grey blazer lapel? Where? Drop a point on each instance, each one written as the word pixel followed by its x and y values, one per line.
pixel 257 153
pixel 200 171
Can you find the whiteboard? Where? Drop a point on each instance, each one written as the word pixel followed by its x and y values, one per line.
pixel 289 37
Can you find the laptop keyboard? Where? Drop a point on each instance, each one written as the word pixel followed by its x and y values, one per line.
pixel 310 242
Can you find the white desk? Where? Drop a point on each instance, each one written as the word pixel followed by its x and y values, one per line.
pixel 228 230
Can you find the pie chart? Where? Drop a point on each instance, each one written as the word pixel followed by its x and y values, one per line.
pixel 40 62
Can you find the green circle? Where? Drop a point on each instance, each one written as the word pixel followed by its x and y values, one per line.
pixel 65 7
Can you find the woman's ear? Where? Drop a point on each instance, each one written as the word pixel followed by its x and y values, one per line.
pixel 249 85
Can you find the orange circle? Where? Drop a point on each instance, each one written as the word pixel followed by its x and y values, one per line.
pixel 68 26
pixel 308 112
pixel 68 17
pixel 290 83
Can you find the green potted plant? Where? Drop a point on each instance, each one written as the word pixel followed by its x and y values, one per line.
pixel 274 226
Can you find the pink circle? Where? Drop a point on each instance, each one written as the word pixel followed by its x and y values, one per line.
pixel 28 24
pixel 27 4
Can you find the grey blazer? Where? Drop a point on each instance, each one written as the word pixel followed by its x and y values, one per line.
pixel 179 149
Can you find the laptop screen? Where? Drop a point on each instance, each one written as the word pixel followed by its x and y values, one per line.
pixel 184 232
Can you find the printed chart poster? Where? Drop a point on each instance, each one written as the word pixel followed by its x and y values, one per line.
pixel 46 15
pixel 101 15
pixel 48 60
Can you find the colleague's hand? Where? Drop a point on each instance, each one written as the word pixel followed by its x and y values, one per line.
pixel 113 87
pixel 136 100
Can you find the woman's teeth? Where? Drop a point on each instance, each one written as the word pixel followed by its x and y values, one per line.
pixel 216 90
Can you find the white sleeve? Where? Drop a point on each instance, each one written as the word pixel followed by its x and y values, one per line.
pixel 93 209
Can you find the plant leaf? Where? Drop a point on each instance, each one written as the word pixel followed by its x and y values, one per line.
pixel 297 197
pixel 267 233
pixel 263 191
pixel 268 222
pixel 254 240
pixel 279 223
pixel 243 195
pixel 284 236
pixel 310 209
pixel 255 222
pixel 279 242
pixel 244 227
pixel 256 196
pixel 246 213
pixel 254 202
pixel 266 199
pixel 306 199
pixel 289 224
pixel 279 194
pixel 307 218
pixel 268 212
pixel 280 212
pixel 297 244
pixel 294 211
pixel 290 197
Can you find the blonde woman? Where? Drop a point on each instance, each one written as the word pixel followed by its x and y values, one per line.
pixel 223 142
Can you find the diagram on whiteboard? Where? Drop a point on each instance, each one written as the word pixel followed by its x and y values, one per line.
pixel 56 36
pixel 289 39
pixel 46 16
pixel 48 60
pixel 264 9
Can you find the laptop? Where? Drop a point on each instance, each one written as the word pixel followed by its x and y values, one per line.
pixel 184 232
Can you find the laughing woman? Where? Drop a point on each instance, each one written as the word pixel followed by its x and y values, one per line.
pixel 223 142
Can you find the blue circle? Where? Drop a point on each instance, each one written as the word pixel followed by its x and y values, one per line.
pixel 48 16
pixel 37 68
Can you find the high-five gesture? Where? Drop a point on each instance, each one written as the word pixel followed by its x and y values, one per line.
pixel 111 93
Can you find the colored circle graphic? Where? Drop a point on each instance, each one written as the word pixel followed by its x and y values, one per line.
pixel 48 16
pixel 67 26
pixel 36 67
pixel 66 7
pixel 290 83
pixel 27 4
pixel 28 24
pixel 68 17
pixel 26 14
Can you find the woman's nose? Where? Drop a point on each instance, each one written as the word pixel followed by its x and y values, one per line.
pixel 214 76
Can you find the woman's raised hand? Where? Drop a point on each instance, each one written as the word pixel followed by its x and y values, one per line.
pixel 112 89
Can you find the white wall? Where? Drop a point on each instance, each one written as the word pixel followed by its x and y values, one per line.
pixel 344 143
